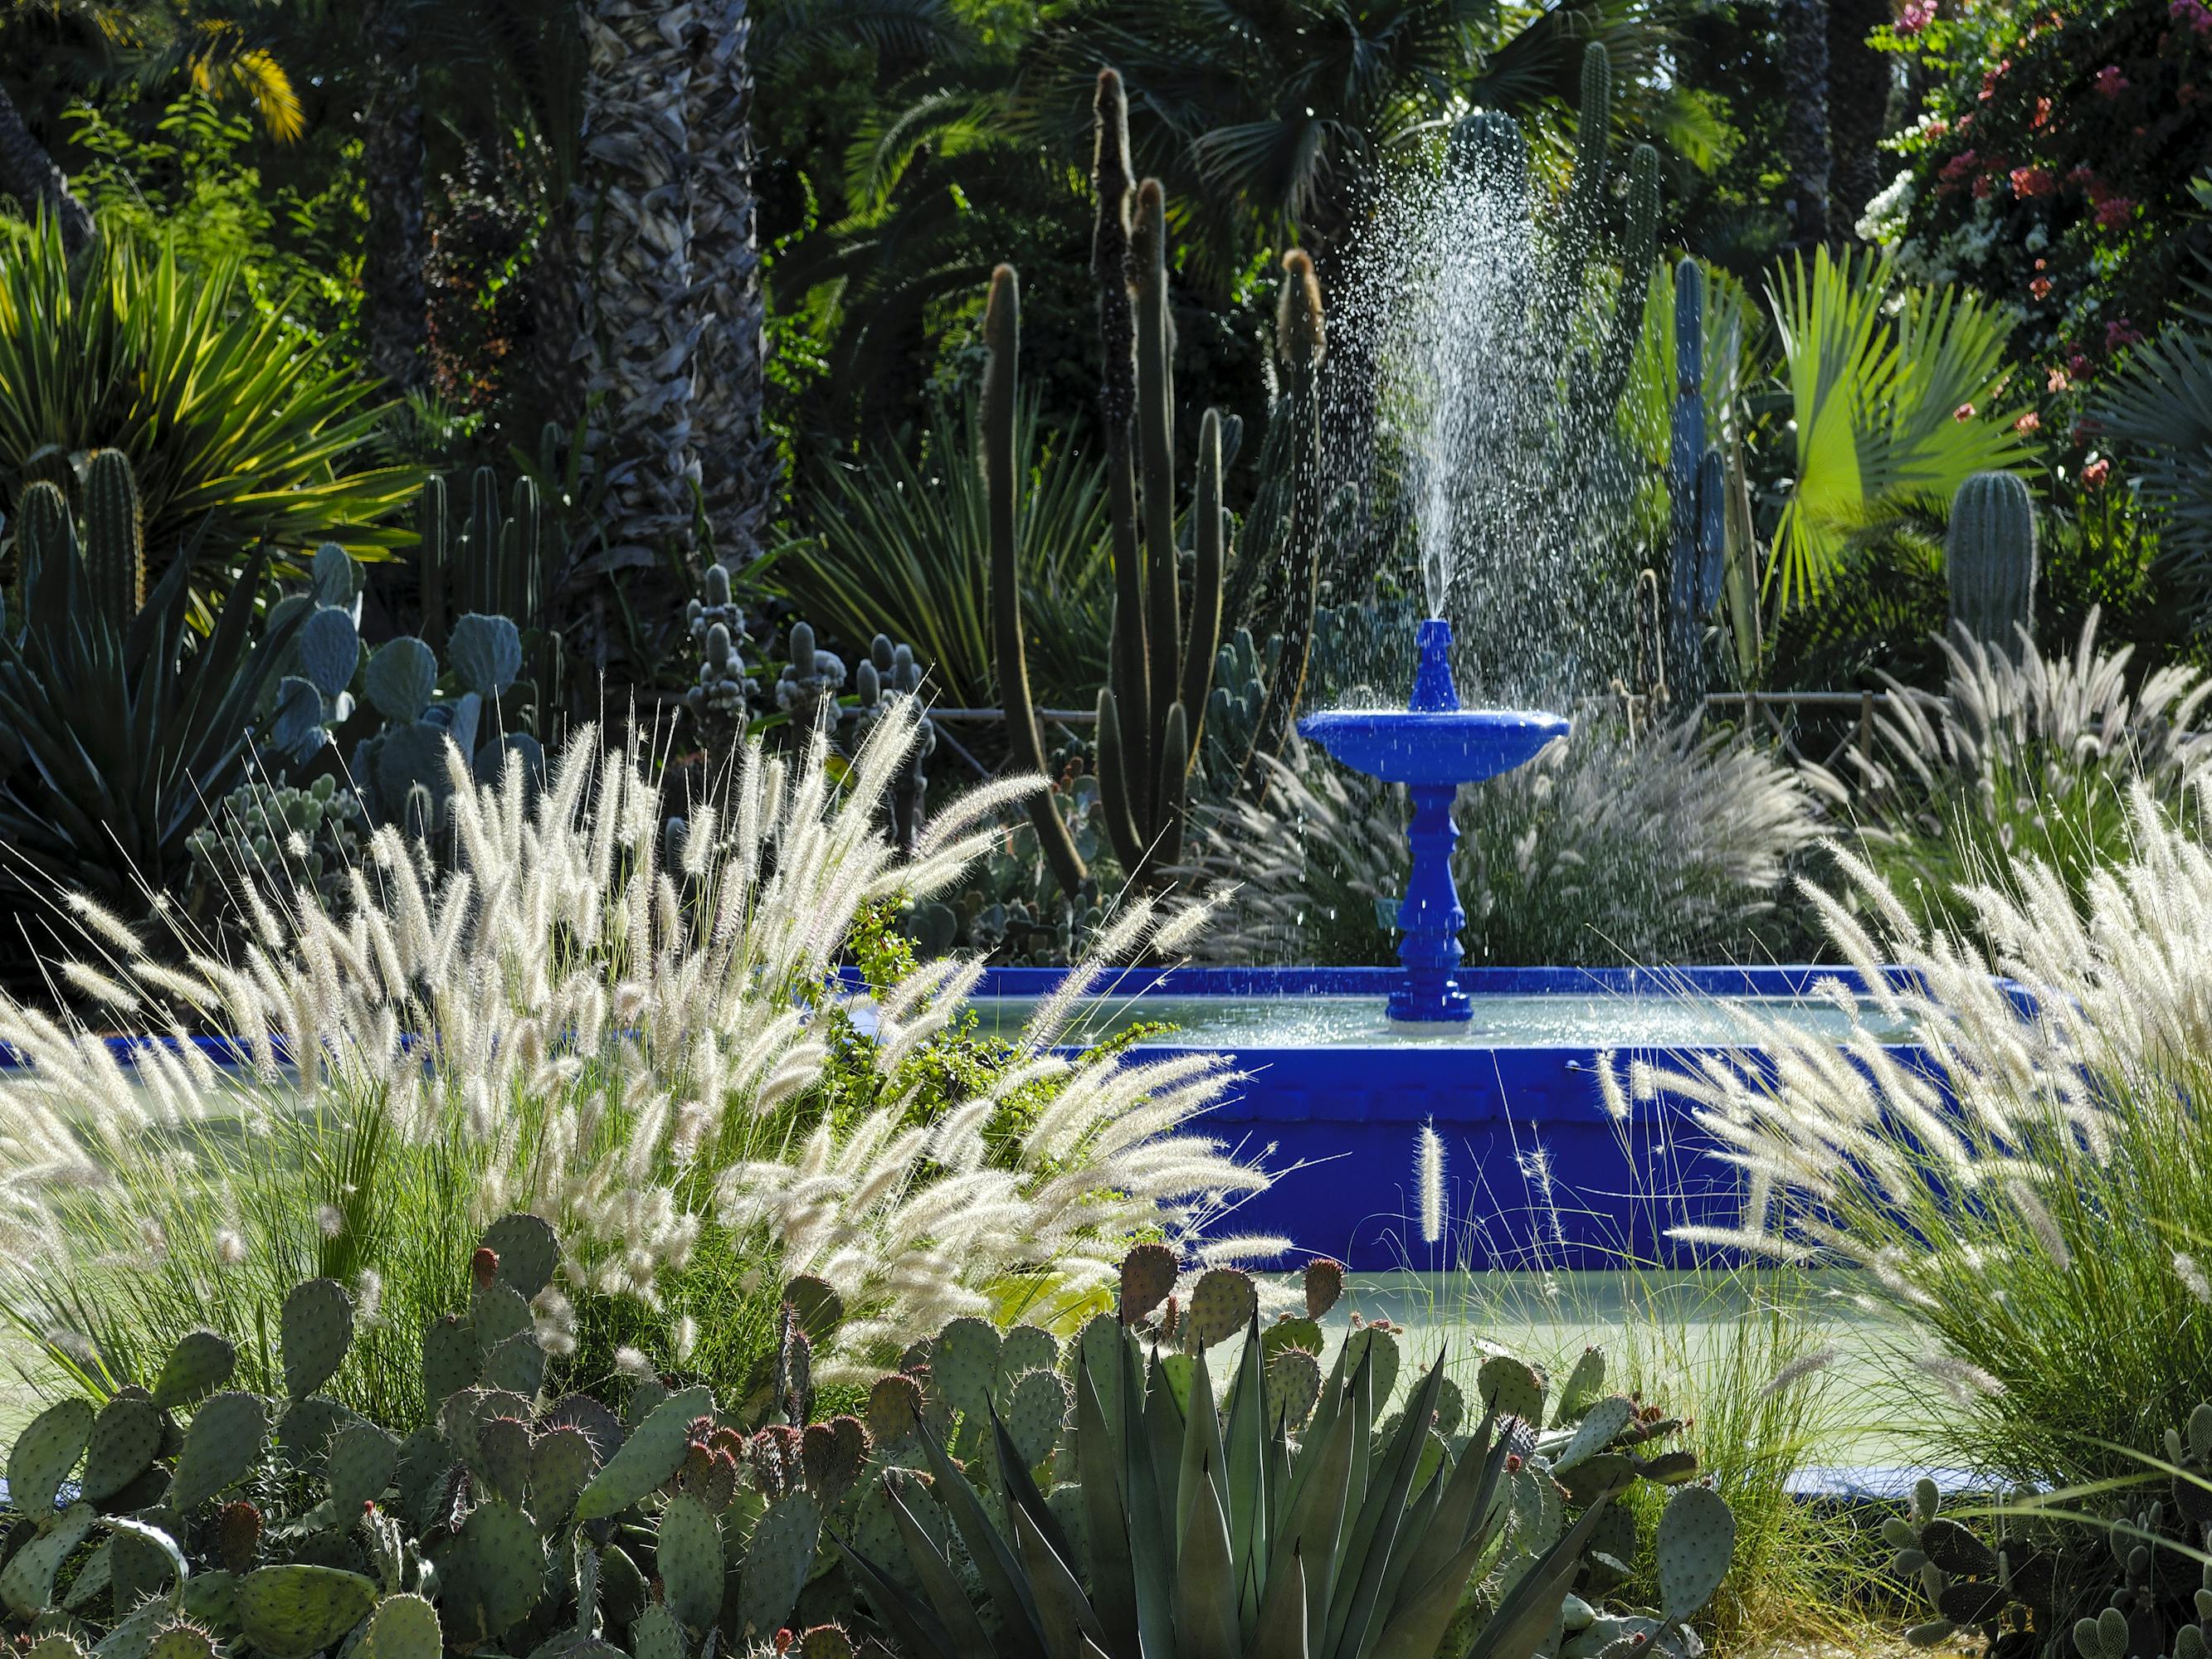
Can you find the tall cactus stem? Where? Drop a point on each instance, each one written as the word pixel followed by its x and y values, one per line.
pixel 431 559
pixel 1113 784
pixel 1156 485
pixel 1212 535
pixel 1990 561
pixel 1114 184
pixel 115 538
pixel 1002 333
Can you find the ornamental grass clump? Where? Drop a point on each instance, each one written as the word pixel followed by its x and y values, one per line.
pixel 1605 849
pixel 620 1023
pixel 2028 1203
pixel 2033 758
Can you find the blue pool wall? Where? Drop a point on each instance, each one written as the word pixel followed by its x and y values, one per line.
pixel 1538 1174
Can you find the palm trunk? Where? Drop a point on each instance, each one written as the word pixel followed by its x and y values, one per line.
pixel 1859 87
pixel 1806 153
pixel 28 173
pixel 636 269
pixel 736 457
pixel 394 302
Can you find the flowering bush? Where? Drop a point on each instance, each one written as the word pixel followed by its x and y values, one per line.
pixel 2049 166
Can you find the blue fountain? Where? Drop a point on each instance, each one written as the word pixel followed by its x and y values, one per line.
pixel 1432 747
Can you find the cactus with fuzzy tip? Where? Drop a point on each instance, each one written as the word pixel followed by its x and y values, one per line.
pixel 811 680
pixel 1990 562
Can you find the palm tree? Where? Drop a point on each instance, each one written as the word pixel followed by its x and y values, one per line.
pixel 394 301
pixel 1277 117
pixel 1802 27
pixel 222 51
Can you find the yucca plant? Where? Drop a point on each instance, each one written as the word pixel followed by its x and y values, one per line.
pixel 901 544
pixel 229 418
pixel 1897 397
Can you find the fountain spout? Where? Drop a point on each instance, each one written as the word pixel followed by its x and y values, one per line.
pixel 1432 747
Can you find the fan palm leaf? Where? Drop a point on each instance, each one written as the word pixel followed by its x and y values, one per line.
pixel 1896 399
pixel 2159 412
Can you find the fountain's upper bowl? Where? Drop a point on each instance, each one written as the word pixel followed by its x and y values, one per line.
pixel 1458 746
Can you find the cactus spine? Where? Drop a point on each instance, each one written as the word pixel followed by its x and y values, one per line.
pixel 1990 562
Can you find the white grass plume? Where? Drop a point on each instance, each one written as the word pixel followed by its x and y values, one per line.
pixel 583 1022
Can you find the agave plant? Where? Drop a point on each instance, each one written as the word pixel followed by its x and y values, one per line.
pixel 1291 1519
pixel 229 418
pixel 128 734
pixel 1897 400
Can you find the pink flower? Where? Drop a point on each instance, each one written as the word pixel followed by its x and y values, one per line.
pixel 2040 287
pixel 1963 413
pixel 2030 422
pixel 2057 382
pixel 1917 15
pixel 2121 334
pixel 2115 212
pixel 2096 472
pixel 1985 186
pixel 2030 182
pixel 2042 117
pixel 2109 81
pixel 2192 13
pixel 2077 365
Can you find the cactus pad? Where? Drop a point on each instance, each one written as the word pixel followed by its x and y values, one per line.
pixel 656 1635
pixel 1148 1274
pixel 1222 1303
pixel 44 1453
pixel 401 675
pixel 1584 1386
pixel 1600 1427
pixel 777 1563
pixel 317 1328
pixel 486 653
pixel 181 1642
pixel 894 1407
pixel 655 1451
pixel 1288 1333
pixel 560 1465
pixel 304 1433
pixel 1696 1540
pixel 1510 1388
pixel 517 1365
pixel 689 1551
pixel 964 1365
pixel 499 1573
pixel 1381 1349
pixel 1324 1285
pixel 124 1440
pixel 402 1627
pixel 1024 1348
pixel 238 1536
pixel 502 1458
pixel 221 1448
pixel 329 648
pixel 499 1311
pixel 451 1359
pixel 833 1453
pixel 1036 1407
pixel 1294 1385
pixel 291 1612
pixel 818 1309
pixel 27 1585
pixel 824 1641
pixel 527 1247
pixel 201 1363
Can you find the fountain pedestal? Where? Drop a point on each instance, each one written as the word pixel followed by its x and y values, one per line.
pixel 1432 747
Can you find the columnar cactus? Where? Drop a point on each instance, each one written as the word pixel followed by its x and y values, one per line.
pixel 1990 562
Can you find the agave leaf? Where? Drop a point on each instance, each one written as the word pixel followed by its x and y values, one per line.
pixel 1375 1533
pixel 918 1629
pixel 1205 1584
pixel 1523 1619
pixel 1064 1614
pixel 1248 1495
pixel 1468 1503
pixel 1113 1589
pixel 1004 1581
pixel 946 1594
pixel 1203 1458
pixel 1281 1633
pixel 1022 1493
